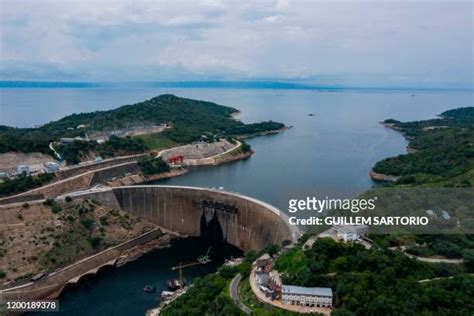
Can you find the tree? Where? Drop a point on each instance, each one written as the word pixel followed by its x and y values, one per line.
pixel 468 257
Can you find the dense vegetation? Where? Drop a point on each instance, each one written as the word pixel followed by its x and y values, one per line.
pixel 444 150
pixel 444 157
pixel 190 119
pixel 151 165
pixel 378 281
pixel 449 246
pixel 24 183
pixel 207 296
pixel 115 146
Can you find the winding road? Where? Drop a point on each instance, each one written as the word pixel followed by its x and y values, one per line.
pixel 234 294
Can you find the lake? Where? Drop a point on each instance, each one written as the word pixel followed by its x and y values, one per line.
pixel 328 154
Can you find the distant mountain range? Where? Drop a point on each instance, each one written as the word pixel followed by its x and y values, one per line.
pixel 199 84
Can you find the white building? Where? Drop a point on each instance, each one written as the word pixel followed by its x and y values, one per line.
pixel 306 296
pixel 351 232
pixel 51 166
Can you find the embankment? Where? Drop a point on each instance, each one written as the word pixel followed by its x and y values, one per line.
pixel 52 285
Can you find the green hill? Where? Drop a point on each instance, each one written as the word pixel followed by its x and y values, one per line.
pixel 189 120
pixel 444 149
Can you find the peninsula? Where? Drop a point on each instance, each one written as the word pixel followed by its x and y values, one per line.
pixel 198 132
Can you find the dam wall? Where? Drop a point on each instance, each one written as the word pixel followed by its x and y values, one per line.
pixel 246 223
pixel 215 215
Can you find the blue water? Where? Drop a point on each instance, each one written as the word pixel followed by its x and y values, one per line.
pixel 330 153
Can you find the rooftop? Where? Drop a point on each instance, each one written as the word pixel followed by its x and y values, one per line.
pixel 315 291
pixel 351 228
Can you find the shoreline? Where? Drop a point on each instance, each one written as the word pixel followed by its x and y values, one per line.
pixel 53 284
pixel 382 177
pixel 264 133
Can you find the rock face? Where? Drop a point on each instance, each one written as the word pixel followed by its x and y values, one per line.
pixel 383 177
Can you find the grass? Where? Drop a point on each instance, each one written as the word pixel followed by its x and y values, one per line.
pixel 157 141
pixel 457 180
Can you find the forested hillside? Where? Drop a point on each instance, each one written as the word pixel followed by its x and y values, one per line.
pixel 189 120
pixel 443 149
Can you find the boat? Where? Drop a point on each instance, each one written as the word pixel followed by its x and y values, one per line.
pixel 150 289
pixel 205 258
pixel 310 114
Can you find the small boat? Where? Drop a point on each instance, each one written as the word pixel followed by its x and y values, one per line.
pixel 150 289
pixel 204 258
pixel 311 114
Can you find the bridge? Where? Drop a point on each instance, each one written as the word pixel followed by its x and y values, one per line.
pixel 216 215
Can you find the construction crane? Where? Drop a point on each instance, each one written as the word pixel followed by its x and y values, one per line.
pixel 200 260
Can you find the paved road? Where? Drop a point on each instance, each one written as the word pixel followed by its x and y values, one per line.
pixel 432 260
pixel 234 294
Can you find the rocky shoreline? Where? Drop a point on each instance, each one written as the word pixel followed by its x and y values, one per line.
pixel 138 251
pixel 272 132
pixel 383 177
pixel 230 158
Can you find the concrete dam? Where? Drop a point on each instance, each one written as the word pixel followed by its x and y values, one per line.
pixel 244 222
pixel 216 215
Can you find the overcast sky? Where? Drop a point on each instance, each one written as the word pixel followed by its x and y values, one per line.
pixel 425 42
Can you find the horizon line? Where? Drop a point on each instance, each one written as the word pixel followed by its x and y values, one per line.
pixel 222 84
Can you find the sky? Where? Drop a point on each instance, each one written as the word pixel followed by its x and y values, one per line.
pixel 426 43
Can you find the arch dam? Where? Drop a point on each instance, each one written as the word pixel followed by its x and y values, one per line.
pixel 216 215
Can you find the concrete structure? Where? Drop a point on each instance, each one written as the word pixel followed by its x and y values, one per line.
pixel 51 166
pixel 199 153
pixel 269 283
pixel 263 260
pixel 306 296
pixel 23 168
pixel 81 181
pixel 244 222
pixel 351 232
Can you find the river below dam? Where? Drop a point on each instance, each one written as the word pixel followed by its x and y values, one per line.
pixel 329 153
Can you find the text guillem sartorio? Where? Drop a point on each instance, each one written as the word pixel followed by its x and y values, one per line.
pixel 353 206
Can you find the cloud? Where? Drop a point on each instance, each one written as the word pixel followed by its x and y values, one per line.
pixel 119 40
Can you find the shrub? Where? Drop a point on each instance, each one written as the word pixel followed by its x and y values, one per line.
pixel 48 202
pixel 56 208
pixel 104 221
pixel 87 223
pixel 95 242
